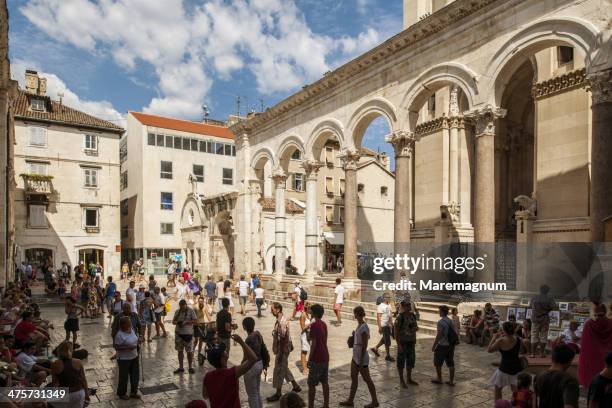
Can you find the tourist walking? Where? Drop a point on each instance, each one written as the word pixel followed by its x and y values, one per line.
pixel 444 347
pixel 385 322
pixel 125 271
pixel 159 300
pixel 184 319
pixel 68 372
pixel 147 316
pixel 555 387
pixel 117 305
pixel 224 324
pixel 210 288
pixel 304 343
pixel 596 342
pixel 133 316
pixel 252 378
pixel 542 305
pixel 299 297
pixel 281 347
pixel 510 366
pixel 339 292
pixel 405 334
pixel 318 359
pixel 126 344
pixel 227 293
pixel 242 288
pixel 259 298
pixel 152 283
pixel 200 329
pixel 361 360
pixel 220 292
pixel 71 325
pixel 109 294
pixel 220 386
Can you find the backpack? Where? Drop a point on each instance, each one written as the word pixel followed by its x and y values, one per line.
pixel 453 339
pixel 265 354
pixel 303 294
pixel 379 300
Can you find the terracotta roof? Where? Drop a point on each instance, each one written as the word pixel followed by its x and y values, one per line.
pixel 269 204
pixel 183 125
pixel 367 151
pixel 59 113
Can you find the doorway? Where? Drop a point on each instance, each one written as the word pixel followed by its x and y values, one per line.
pixel 91 255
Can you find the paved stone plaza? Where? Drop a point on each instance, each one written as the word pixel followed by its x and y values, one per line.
pixel 473 370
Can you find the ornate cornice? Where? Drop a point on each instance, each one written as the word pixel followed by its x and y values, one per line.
pixel 431 126
pixel 350 158
pixel 438 21
pixel 600 85
pixel 559 84
pixel 484 119
pixel 402 142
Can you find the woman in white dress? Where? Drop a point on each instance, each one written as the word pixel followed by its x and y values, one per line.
pixel 361 360
pixel 305 323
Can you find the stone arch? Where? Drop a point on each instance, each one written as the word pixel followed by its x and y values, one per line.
pixel 190 202
pixel 327 126
pixel 365 114
pixel 436 77
pixel 263 153
pixel 292 141
pixel 541 34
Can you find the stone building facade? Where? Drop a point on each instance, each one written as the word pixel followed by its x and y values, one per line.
pixel 66 182
pixel 163 161
pixel 494 107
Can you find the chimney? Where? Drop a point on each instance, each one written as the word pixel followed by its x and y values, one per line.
pixel 34 84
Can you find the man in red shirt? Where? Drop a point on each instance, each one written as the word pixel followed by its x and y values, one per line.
pixel 26 330
pixel 318 360
pixel 220 385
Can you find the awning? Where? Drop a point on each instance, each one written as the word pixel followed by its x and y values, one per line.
pixel 334 238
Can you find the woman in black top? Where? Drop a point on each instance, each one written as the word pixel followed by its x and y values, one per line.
pixel 68 372
pixel 509 345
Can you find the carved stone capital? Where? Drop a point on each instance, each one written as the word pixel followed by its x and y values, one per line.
pixel 350 158
pixel 600 85
pixel 457 122
pixel 311 166
pixel 402 142
pixel 484 119
pixel 279 176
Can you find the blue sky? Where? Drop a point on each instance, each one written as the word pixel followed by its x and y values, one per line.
pixel 170 57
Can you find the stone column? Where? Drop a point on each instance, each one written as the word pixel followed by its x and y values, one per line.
pixel 280 232
pixel 454 164
pixel 311 167
pixel 350 157
pixel 403 145
pixel 484 120
pixel 600 85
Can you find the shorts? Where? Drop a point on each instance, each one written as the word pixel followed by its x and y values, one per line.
pixel 386 333
pixel 227 342
pixel 181 343
pixel 539 332
pixel 299 306
pixel 243 300
pixel 444 354
pixel 158 317
pixel 338 307
pixel 71 325
pixel 317 373
pixel 407 357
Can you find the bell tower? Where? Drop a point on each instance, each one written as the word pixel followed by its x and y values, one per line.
pixel 415 10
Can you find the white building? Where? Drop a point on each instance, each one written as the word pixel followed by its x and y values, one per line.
pixel 67 182
pixel 163 161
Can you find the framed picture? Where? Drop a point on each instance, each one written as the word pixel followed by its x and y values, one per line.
pixel 581 319
pixel 521 314
pixel 565 324
pixel 563 306
pixel 555 317
pixel 553 334
pixel 528 313
pixel 524 301
pixel 510 312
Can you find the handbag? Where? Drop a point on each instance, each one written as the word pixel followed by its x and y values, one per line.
pixel 351 340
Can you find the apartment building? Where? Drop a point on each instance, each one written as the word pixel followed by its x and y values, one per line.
pixel 163 161
pixel 66 182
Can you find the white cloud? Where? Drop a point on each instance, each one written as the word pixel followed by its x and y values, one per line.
pixel 55 86
pixel 189 48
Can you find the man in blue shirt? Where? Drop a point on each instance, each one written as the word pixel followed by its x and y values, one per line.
pixel 111 288
pixel 210 287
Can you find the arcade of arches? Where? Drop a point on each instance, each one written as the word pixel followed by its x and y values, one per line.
pixel 503 137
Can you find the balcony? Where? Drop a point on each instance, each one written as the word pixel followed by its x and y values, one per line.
pixel 37 184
